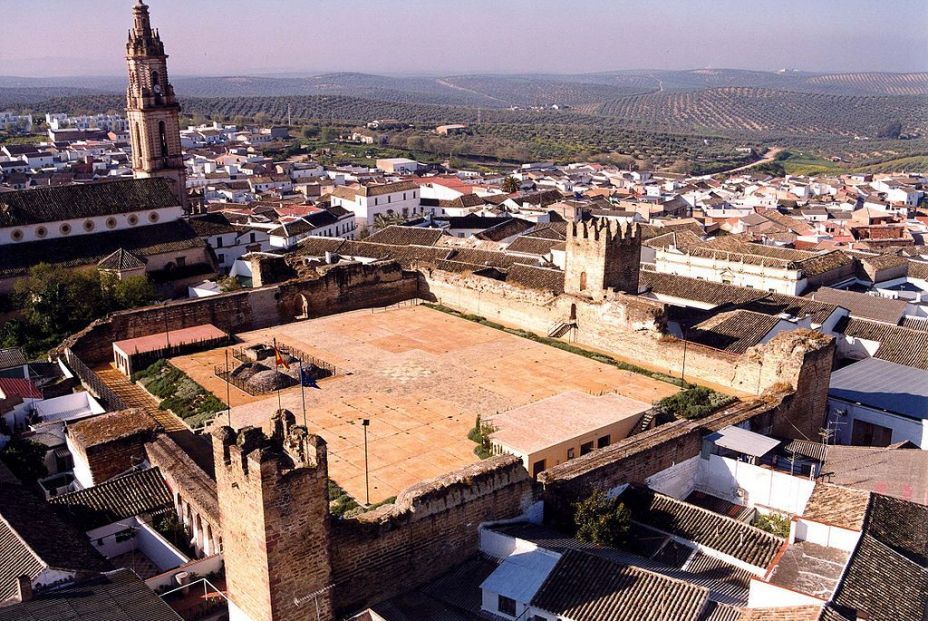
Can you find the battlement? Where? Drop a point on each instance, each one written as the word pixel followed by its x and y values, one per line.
pixel 602 230
pixel 290 447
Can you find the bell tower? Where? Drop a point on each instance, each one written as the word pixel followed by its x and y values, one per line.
pixel 151 107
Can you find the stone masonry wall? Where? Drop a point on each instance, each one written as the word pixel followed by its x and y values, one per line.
pixel 340 289
pixel 431 527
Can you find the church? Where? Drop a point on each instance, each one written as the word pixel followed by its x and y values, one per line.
pixel 124 226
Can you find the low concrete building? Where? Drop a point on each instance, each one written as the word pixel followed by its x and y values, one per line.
pixel 554 430
pixel 129 355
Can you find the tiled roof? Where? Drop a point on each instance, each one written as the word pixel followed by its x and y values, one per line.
pixel 533 277
pixel 897 344
pixel 483 258
pixel 112 426
pixel 506 228
pixel 116 596
pixel 532 245
pixel 50 204
pixel 863 305
pixel 197 484
pixel 584 587
pixel 137 493
pixel 844 507
pixel 15 387
pixel 78 250
pixel 734 331
pixel 212 224
pixel 898 472
pixel 549 230
pixel 121 260
pixel 719 294
pixel 728 536
pixel 792 613
pixel 12 357
pixel 405 236
pixel 33 537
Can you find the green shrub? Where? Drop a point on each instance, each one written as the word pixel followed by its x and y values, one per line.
pixel 179 394
pixel 693 403
pixel 775 523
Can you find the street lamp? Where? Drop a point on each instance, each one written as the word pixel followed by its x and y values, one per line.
pixel 367 488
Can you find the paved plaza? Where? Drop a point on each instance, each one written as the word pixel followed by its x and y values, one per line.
pixel 421 377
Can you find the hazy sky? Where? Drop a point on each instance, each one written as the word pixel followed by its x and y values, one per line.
pixel 222 37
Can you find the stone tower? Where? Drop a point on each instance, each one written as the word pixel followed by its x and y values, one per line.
pixel 601 255
pixel 151 108
pixel 274 511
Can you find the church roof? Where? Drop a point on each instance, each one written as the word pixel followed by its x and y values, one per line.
pixel 68 202
pixel 121 261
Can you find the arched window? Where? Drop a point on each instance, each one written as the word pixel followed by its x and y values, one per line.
pixel 163 139
pixel 155 81
pixel 582 281
pixel 573 312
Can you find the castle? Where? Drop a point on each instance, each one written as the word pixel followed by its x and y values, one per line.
pixel 285 557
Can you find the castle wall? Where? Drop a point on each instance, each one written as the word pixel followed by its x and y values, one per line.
pixel 638 457
pixel 432 527
pixel 340 289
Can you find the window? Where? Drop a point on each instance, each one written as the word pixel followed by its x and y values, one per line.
pixel 506 605
pixel 586 447
pixel 603 442
pixel 376 201
pixel 181 261
pixel 163 139
pixel 404 195
pixel 219 242
pixel 221 258
pixel 252 238
pixel 582 281
pixel 88 225
pixel 571 453
pixel 111 223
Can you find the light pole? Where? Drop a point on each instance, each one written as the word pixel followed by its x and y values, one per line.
pixel 367 488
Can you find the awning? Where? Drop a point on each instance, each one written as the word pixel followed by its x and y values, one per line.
pixel 743 441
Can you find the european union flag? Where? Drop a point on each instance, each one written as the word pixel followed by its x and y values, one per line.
pixel 306 379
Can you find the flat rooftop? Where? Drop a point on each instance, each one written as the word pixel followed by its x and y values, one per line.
pixel 539 425
pixel 421 376
pixel 163 340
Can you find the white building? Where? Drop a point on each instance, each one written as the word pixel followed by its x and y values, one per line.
pixel 398 165
pixel 10 120
pixel 400 199
pixel 877 403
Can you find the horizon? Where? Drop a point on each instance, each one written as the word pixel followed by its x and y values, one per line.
pixel 425 39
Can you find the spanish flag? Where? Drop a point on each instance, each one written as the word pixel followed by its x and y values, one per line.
pixel 278 359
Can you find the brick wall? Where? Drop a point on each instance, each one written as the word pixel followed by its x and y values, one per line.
pixel 431 527
pixel 107 460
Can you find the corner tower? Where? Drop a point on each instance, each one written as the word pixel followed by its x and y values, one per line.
pixel 601 256
pixel 151 108
pixel 274 511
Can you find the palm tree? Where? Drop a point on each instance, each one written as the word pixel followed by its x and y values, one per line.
pixel 511 184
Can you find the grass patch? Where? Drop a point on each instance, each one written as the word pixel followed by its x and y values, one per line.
pixel 693 403
pixel 774 523
pixel 598 357
pixel 178 393
pixel 343 505
pixel 480 434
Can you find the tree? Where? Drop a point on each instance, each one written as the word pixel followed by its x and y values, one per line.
pixel 329 134
pixel 262 118
pixel 310 131
pixel 891 130
pixel 601 520
pixel 57 301
pixel 132 292
pixel 229 283
pixel 384 220
pixel 25 459
pixel 511 184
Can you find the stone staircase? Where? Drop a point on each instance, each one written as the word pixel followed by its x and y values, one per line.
pixel 561 329
pixel 644 423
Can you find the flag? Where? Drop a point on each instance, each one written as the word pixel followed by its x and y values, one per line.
pixel 307 380
pixel 278 359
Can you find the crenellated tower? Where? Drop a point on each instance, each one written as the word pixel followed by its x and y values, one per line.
pixel 602 255
pixel 151 107
pixel 274 511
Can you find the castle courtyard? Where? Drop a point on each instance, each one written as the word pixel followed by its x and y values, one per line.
pixel 421 377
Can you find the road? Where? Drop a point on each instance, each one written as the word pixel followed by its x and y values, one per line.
pixel 769 156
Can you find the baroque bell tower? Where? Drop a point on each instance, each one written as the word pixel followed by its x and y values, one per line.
pixel 151 107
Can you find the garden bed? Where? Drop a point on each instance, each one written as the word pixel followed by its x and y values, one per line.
pixel 179 394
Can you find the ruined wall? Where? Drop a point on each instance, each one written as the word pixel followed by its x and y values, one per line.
pixel 638 457
pixel 340 289
pixel 431 527
pixel 631 328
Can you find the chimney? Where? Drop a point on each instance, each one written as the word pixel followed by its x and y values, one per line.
pixel 23 589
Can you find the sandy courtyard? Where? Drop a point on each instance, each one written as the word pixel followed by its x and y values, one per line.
pixel 421 376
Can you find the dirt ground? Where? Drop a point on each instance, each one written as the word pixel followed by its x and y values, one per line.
pixel 421 377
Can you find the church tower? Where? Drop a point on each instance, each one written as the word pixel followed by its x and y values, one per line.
pixel 151 108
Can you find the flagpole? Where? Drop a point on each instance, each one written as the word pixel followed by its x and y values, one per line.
pixel 277 359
